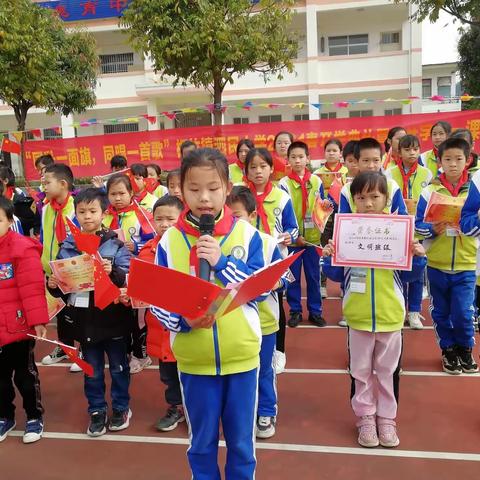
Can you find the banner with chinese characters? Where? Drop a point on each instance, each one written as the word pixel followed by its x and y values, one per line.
pixel 90 155
pixel 77 10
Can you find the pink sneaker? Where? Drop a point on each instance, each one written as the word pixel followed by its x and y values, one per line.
pixel 387 432
pixel 367 431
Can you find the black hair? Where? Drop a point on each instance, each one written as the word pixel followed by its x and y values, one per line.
pixel 243 195
pixel 45 160
pixel 157 169
pixel 61 172
pixel 119 178
pixel 391 133
pixel 168 201
pixel 464 133
pixel 186 144
pixel 349 148
pixel 7 207
pixel 408 141
pixel 366 143
pixel 89 195
pixel 290 136
pixel 454 143
pixel 244 141
pixel 445 125
pixel 336 141
pixel 139 169
pixel 6 173
pixel 298 144
pixel 369 181
pixel 261 152
pixel 118 161
pixel 2 189
pixel 173 173
pixel 202 157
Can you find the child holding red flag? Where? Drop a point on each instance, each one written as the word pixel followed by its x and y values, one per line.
pixel 218 358
pixel 412 178
pixel 165 214
pixel 140 181
pixel 100 332
pixel 303 189
pixel 154 181
pixel 23 310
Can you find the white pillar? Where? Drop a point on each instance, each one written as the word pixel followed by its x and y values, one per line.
pixel 152 110
pixel 68 130
pixel 312 54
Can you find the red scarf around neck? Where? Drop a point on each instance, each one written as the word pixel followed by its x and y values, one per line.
pixel 335 169
pixel 303 185
pixel 406 176
pixel 115 213
pixel 240 165
pixel 9 193
pixel 389 158
pixel 60 228
pixel 141 195
pixel 260 198
pixel 151 184
pixel 435 152
pixel 454 190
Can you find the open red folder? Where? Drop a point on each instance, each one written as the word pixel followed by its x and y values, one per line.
pixel 192 297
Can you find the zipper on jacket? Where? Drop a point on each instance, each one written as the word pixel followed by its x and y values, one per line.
pixel 53 236
pixel 372 286
pixel 453 252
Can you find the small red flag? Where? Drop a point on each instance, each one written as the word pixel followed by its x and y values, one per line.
pixel 73 356
pixel 85 242
pixel 335 190
pixel 105 291
pixel 133 182
pixel 145 218
pixel 37 133
pixel 10 147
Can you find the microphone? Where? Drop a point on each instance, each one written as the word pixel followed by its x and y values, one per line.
pixel 206 226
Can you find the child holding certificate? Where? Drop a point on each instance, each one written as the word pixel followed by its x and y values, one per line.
pixel 303 189
pixel 217 358
pixel 23 310
pixel 100 332
pixel 374 308
pixel 412 178
pixel 452 260
pixel 276 217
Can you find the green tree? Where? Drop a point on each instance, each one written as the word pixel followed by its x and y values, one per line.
pixel 41 64
pixel 469 64
pixel 467 11
pixel 208 42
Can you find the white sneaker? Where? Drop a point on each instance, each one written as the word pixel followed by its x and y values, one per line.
pixel 33 431
pixel 138 364
pixel 415 320
pixel 323 292
pixel 56 356
pixel 279 361
pixel 342 323
pixel 74 368
pixel 425 293
pixel 265 427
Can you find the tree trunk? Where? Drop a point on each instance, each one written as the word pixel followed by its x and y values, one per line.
pixel 217 101
pixel 21 117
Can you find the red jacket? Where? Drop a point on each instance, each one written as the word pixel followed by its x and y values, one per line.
pixel 158 337
pixel 22 288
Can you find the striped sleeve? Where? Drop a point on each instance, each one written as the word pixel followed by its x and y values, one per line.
pixel 423 228
pixel 344 206
pixel 469 220
pixel 289 221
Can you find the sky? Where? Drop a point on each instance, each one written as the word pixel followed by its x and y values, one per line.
pixel 439 40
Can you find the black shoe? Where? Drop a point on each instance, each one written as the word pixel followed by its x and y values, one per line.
pixel 465 358
pixel 295 319
pixel 120 420
pixel 171 420
pixel 450 361
pixel 98 424
pixel 317 320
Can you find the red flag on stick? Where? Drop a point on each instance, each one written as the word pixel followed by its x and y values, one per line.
pixel 335 190
pixel 145 218
pixel 10 147
pixel 85 242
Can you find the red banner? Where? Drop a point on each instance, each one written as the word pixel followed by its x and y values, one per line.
pixel 89 156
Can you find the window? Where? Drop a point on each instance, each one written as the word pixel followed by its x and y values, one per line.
pixel 348 45
pixel 444 86
pixel 361 113
pixel 426 87
pixel 193 119
pixel 240 120
pixel 301 116
pixel 269 118
pixel 393 111
pixel 389 41
pixel 116 63
pixel 51 133
pixel 120 128
pixel 329 115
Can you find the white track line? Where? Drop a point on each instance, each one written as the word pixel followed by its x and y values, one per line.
pixel 285 447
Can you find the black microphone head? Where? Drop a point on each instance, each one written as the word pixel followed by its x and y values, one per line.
pixel 206 225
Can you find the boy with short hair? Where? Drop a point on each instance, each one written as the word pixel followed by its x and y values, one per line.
pixel 165 214
pixel 145 199
pixel 58 184
pixel 186 147
pixel 23 310
pixel 368 153
pixel 304 188
pixel 42 162
pixel 100 332
pixel 451 262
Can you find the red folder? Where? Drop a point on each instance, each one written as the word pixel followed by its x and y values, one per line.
pixel 192 297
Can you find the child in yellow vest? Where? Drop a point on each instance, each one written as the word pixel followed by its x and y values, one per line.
pixel 237 169
pixel 439 132
pixel 142 196
pixel 155 186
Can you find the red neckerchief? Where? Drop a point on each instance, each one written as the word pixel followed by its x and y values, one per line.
pixel 303 184
pixel 239 164
pixel 406 176
pixel 9 193
pixel 140 196
pixel 115 213
pixel 454 190
pixel 335 169
pixel 151 184
pixel 389 158
pixel 435 152
pixel 260 198
pixel 60 229
pixel 133 182
pixel 280 167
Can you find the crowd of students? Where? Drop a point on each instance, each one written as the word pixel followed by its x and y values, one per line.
pixel 215 369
